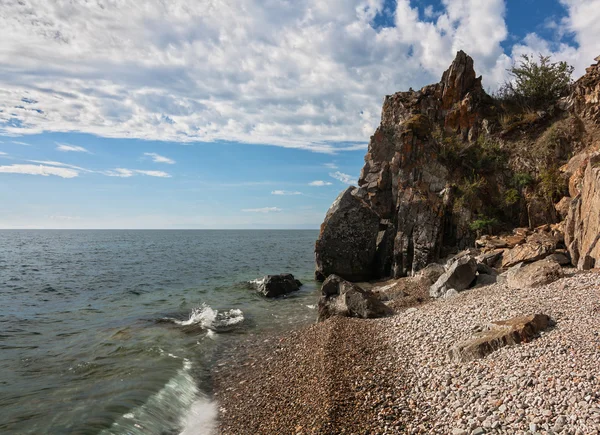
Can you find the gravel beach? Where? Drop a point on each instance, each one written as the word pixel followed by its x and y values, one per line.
pixel 394 375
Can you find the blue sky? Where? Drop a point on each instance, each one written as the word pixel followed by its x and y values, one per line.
pixel 230 114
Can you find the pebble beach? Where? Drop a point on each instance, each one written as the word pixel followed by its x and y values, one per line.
pixel 394 375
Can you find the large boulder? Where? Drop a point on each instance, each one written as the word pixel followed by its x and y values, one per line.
pixel 342 298
pixel 459 276
pixel 272 286
pixel 536 247
pixel 533 275
pixel 503 333
pixel 347 244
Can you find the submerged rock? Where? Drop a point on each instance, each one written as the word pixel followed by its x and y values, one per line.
pixel 272 286
pixel 500 334
pixel 459 275
pixel 342 298
pixel 347 244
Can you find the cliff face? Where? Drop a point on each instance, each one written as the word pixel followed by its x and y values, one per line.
pixel 403 179
pixel 582 225
pixel 447 163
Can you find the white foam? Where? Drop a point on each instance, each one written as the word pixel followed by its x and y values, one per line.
pixel 201 419
pixel 312 307
pixel 209 318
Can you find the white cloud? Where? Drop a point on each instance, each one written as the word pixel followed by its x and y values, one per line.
pixel 331 165
pixel 307 74
pixel 285 192
pixel 39 170
pixel 160 174
pixel 319 183
pixel 63 218
pixel 60 164
pixel 17 142
pixel 262 210
pixel 3 153
pixel 74 148
pixel 157 158
pixel 126 173
pixel 344 178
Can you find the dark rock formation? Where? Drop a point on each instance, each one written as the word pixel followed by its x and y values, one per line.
pixel 272 286
pixel 347 244
pixel 342 298
pixel 500 334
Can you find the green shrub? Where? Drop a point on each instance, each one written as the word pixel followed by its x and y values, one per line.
pixel 484 224
pixel 511 197
pixel 522 179
pixel 536 85
pixel 552 185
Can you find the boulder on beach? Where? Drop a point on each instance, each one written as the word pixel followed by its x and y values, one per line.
pixel 500 334
pixel 533 275
pixel 342 298
pixel 459 275
pixel 272 286
pixel 347 244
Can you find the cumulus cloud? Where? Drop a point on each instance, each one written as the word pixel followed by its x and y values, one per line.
pixel 319 183
pixel 39 170
pixel 285 192
pixel 344 178
pixel 262 210
pixel 305 74
pixel 157 158
pixel 71 148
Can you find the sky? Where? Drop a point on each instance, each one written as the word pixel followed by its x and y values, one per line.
pixel 216 114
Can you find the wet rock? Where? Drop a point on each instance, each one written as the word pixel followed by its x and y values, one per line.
pixel 458 276
pixel 534 274
pixel 347 244
pixel 342 298
pixel 503 333
pixel 272 286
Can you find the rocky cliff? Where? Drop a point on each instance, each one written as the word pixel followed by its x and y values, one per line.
pixel 448 163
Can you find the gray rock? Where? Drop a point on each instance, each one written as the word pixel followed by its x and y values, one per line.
pixel 534 274
pixel 347 243
pixel 432 272
pixel 272 286
pixel 459 276
pixel 484 279
pixel 342 298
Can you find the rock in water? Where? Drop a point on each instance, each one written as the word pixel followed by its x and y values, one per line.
pixel 459 276
pixel 272 286
pixel 342 298
pixel 503 333
pixel 347 244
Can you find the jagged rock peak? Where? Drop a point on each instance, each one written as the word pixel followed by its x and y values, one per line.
pixel 459 79
pixel 585 97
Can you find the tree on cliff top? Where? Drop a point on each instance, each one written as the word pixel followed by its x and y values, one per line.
pixel 536 85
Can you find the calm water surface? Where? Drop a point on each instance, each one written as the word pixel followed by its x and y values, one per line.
pixel 115 332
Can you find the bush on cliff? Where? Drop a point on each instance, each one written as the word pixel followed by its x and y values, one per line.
pixel 536 84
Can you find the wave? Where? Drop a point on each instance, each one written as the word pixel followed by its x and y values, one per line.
pixel 211 319
pixel 166 409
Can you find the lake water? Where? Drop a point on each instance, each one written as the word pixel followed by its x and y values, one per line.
pixel 115 332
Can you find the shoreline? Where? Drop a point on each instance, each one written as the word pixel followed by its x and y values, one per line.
pixel 394 375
